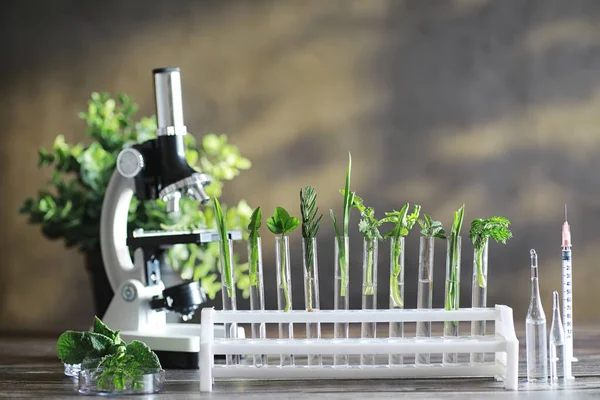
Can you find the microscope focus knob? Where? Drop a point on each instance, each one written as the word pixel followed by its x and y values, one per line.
pixel 130 162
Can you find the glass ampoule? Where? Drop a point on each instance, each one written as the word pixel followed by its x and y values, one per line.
pixel 556 341
pixel 535 330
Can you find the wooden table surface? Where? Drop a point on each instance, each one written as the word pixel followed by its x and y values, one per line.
pixel 29 369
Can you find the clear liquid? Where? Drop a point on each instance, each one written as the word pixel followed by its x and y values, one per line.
pixel 340 329
pixel 258 329
pixel 424 297
pixel 368 330
pixel 556 362
pixel 396 331
pixel 478 300
pixel 450 331
pixel 537 350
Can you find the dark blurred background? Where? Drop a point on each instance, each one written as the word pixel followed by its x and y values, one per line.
pixel 494 104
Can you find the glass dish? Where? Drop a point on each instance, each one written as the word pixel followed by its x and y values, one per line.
pixel 99 382
pixel 72 370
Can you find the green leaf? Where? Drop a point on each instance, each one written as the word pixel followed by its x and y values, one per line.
pixel 255 220
pixel 72 347
pixel 143 355
pixel 274 225
pixel 281 215
pixel 291 224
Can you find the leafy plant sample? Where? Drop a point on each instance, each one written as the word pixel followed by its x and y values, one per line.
pixel 103 348
pixel 430 229
pixel 310 227
pixel 279 224
pixel 483 229
pixel 452 281
pixel 253 241
pixel 69 208
pixel 227 273
pixel 369 227
pixel 404 222
pixel 342 256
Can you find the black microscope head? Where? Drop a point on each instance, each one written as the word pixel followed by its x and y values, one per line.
pixel 177 178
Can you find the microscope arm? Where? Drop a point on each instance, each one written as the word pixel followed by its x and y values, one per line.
pixel 113 232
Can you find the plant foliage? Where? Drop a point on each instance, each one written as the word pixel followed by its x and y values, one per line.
pixel 253 227
pixel 69 206
pixel 342 250
pixel 453 281
pixel 481 230
pixel 282 223
pixel 120 363
pixel 403 223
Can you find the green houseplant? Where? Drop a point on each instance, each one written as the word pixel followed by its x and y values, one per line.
pixel 69 206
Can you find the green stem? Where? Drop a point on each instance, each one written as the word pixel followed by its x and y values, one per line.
pixel 284 285
pixel 479 262
pixel 308 243
pixel 342 266
pixel 253 261
pixel 309 291
pixel 368 290
pixel 395 293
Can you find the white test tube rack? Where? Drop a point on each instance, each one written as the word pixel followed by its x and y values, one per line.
pixel 503 343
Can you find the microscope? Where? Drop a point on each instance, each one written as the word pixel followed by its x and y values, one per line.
pixel 155 169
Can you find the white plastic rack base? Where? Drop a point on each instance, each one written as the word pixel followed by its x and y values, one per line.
pixel 503 343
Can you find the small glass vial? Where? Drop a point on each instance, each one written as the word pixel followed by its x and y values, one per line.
pixel 479 294
pixel 425 291
pixel 368 330
pixel 341 299
pixel 452 295
pixel 396 329
pixel 311 292
pixel 228 294
pixel 557 341
pixel 535 330
pixel 284 292
pixel 257 293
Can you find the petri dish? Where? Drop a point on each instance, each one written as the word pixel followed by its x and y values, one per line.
pixel 99 381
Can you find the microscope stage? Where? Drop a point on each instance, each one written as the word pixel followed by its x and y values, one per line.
pixel 168 238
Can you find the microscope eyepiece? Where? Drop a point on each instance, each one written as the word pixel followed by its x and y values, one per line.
pixel 176 175
pixel 169 107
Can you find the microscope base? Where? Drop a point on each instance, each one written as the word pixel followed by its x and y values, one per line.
pixel 177 345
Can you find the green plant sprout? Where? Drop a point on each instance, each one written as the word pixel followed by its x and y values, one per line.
pixel 483 229
pixel 369 227
pixel 103 348
pixel 224 247
pixel 310 227
pixel 253 241
pixel 69 205
pixel 404 223
pixel 348 200
pixel 431 229
pixel 452 286
pixel 279 224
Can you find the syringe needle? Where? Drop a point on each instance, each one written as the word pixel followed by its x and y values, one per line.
pixel 565 212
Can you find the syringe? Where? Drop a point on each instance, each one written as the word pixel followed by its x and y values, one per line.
pixel 567 299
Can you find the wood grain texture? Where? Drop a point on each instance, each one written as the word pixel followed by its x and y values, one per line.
pixel 30 369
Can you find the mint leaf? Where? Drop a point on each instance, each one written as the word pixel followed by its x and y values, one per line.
pixel 101 328
pixel 73 347
pixel 143 355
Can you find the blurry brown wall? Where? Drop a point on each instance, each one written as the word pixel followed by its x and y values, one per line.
pixel 495 104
